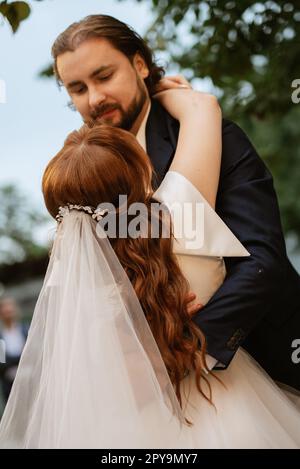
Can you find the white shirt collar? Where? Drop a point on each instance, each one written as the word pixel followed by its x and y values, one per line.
pixel 141 133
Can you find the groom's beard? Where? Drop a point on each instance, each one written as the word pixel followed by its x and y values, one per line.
pixel 128 117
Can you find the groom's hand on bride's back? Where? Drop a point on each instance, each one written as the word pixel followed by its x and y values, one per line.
pixel 192 307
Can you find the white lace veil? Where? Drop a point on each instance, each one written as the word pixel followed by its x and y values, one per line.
pixel 91 374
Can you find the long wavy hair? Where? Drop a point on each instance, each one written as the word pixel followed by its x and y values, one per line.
pixel 94 166
pixel 119 34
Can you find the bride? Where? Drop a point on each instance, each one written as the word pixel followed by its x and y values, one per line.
pixel 113 358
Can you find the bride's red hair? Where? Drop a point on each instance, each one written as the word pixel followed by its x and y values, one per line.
pixel 94 166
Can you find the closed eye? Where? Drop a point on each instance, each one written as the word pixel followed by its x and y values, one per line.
pixel 79 90
pixel 105 77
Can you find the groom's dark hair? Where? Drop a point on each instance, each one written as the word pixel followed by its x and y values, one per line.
pixel 119 34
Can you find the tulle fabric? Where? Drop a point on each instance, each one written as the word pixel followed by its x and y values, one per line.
pixel 251 411
pixel 91 374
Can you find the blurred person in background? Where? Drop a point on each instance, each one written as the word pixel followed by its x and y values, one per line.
pixel 14 334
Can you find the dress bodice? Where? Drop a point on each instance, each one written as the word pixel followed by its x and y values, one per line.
pixel 202 239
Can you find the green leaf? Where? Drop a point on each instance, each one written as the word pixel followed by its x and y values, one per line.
pixel 15 13
pixel 47 72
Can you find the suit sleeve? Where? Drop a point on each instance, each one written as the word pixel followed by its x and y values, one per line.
pixel 247 203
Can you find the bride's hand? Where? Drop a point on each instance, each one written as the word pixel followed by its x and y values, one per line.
pixel 171 82
pixel 185 103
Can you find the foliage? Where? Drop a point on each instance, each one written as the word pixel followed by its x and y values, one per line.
pixel 18 222
pixel 15 12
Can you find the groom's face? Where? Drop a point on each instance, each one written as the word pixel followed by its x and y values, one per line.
pixel 103 84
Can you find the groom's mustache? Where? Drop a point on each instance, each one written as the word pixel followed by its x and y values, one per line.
pixel 100 110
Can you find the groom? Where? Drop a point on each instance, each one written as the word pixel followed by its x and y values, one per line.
pixel 110 75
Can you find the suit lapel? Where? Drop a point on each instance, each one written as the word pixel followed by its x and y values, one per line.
pixel 160 141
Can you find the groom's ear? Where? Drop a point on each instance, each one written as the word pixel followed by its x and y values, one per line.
pixel 140 65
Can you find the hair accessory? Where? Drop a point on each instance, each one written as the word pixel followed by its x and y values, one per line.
pixel 97 214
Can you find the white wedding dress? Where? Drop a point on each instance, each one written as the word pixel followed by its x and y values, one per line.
pixel 251 412
pixel 91 375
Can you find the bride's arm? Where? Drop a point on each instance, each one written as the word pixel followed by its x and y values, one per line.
pixel 198 152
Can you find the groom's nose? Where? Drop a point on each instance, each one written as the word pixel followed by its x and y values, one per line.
pixel 96 97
